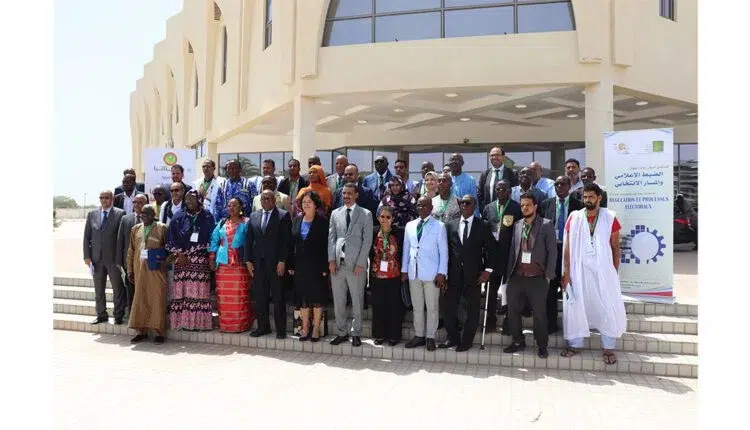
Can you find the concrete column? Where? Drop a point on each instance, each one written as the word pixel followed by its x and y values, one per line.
pixel 599 119
pixel 303 139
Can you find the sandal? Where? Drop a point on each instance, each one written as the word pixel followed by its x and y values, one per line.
pixel 609 357
pixel 569 352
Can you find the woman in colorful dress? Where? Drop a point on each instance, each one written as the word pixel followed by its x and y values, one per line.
pixel 318 183
pixel 400 201
pixel 387 307
pixel 187 242
pixel 309 264
pixel 232 278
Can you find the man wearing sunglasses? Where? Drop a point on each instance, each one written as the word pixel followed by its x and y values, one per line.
pixel 471 260
pixel 100 254
pixel 174 205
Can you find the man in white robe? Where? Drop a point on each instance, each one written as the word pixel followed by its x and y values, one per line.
pixel 592 297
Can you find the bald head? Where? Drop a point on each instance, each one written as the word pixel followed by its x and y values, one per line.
pixel 536 170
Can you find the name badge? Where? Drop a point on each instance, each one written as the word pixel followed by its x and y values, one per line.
pixel 194 237
pixel 144 254
pixel 507 220
pixel 526 257
pixel 383 266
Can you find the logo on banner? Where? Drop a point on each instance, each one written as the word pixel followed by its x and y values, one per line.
pixel 170 158
pixel 622 148
pixel 657 146
pixel 641 244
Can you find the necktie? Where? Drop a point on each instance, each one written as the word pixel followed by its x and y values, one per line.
pixel 340 181
pixel 497 179
pixel 561 221
pixel 419 229
pixel 104 220
pixel 381 187
pixel 264 224
pixel 466 232
pixel 348 218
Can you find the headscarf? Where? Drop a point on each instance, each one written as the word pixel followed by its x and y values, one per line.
pixel 423 189
pixel 321 187
pixel 402 204
pixel 197 195
pixel 184 224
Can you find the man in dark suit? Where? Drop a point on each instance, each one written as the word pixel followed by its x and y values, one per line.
pixel 124 200
pixel 377 181
pixel 294 182
pixel 588 176
pixel 501 215
pixel 266 252
pixel 531 266
pixel 123 241
pixel 470 264
pixel 557 210
pixel 138 185
pixel 364 195
pixel 100 253
pixel 491 176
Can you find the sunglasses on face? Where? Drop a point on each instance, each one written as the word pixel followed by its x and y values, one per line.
pixel 465 203
pixel 175 191
pixel 385 217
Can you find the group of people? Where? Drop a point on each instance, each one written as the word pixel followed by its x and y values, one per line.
pixel 441 239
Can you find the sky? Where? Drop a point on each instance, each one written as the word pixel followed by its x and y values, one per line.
pixel 100 50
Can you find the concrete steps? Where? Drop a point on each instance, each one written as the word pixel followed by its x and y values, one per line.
pixel 661 339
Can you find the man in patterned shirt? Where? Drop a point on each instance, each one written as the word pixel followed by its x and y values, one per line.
pixel 235 186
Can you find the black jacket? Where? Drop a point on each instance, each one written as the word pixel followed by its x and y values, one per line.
pixel 271 246
pixel 505 232
pixel 485 191
pixel 284 186
pixel 468 260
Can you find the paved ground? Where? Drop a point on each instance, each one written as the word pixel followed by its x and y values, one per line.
pixel 177 385
pixel 69 259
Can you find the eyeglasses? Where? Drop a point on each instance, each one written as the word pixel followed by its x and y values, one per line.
pixel 385 217
pixel 465 203
pixel 105 198
pixel 176 190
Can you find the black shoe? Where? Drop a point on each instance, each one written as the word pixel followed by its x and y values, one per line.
pixel 305 337
pixel 159 339
pixel 526 313
pixel 462 348
pixel 505 331
pixel 118 321
pixel 139 338
pixel 356 341
pixel 415 342
pixel 447 344
pixel 491 326
pixel 259 332
pixel 441 323
pixel 314 339
pixel 430 344
pixel 514 347
pixel 339 340
pixel 543 353
pixel 281 335
pixel 100 320
pixel 379 341
pixel 393 342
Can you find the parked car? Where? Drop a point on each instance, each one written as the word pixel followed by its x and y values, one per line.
pixel 685 222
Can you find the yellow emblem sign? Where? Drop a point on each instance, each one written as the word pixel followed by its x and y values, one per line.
pixel 507 220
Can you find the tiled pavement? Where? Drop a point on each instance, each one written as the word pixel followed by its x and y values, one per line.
pixel 197 385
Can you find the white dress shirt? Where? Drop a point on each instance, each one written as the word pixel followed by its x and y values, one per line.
pixel 127 202
pixel 461 226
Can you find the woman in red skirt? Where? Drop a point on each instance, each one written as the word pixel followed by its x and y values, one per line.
pixel 233 281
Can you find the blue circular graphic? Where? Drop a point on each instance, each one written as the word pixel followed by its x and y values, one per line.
pixel 642 244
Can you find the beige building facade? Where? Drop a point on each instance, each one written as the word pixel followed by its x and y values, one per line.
pixel 418 80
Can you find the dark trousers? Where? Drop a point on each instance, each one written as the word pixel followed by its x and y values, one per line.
pixel 101 272
pixel 553 295
pixel 267 283
pixel 534 290
pixel 450 303
pixel 130 288
pixel 492 304
pixel 387 308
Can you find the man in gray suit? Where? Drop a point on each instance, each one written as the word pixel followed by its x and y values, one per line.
pixel 531 266
pixel 100 253
pixel 123 241
pixel 349 242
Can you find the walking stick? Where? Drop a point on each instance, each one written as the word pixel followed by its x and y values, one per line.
pixel 486 307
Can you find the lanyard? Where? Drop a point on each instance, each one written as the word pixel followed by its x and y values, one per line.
pixel 592 227
pixel 501 212
pixel 444 204
pixel 526 231
pixel 146 232
pixel 386 239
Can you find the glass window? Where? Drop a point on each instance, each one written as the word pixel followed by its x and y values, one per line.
pixel 689 152
pixel 384 6
pixel 416 177
pixel 473 161
pixel 666 9
pixel 415 26
pixel 344 8
pixel 250 164
pixel 533 18
pixel 454 3
pixel 417 158
pixel 285 168
pixel 479 22
pixel 223 54
pixel 348 32
pixel 544 158
pixel 223 158
pixel 278 159
pixel 268 24
pixel 687 182
pixel 577 153
pixel 362 158
pixel 519 160
pixel 325 160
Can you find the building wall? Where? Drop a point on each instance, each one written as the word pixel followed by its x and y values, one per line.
pixel 625 41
